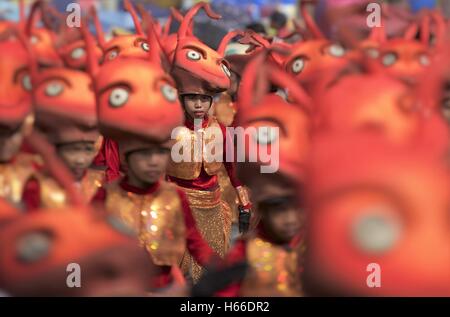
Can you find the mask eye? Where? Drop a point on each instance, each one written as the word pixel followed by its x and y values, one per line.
pixel 33 247
pixel 112 55
pixel 375 233
pixel 372 53
pixel 298 65
pixel 266 135
pixel 34 39
pixel 193 55
pixel 336 50
pixel 424 60
pixel 226 70
pixel 145 46
pixel 118 97
pixel 78 53
pixel 26 82
pixel 389 59
pixel 54 89
pixel 169 92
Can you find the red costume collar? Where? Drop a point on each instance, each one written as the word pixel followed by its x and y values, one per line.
pixel 189 123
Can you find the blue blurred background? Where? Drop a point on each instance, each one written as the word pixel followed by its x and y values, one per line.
pixel 238 12
pixel 235 13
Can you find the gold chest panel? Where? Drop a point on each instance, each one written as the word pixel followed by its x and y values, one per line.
pixel 206 148
pixel 274 271
pixel 157 218
pixel 14 176
pixel 53 196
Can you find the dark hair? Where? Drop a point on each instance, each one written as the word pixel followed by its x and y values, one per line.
pixel 257 27
pixel 278 19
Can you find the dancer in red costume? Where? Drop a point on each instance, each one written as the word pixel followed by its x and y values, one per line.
pixel 200 72
pixel 157 210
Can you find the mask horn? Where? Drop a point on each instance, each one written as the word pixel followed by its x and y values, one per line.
pixel 188 18
pixel 155 48
pixel 440 27
pixel 137 24
pixel 91 59
pixel 98 27
pixel 52 18
pixel 32 17
pixel 21 11
pixel 175 14
pixel 309 21
pixel 378 34
pixel 254 40
pixel 168 25
pixel 425 29
pixel 156 25
pixel 32 60
pixel 153 40
pixel 226 39
pixel 411 31
pixel 249 94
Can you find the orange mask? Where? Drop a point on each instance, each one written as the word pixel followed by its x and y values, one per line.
pixel 264 112
pixel 42 39
pixel 135 45
pixel 368 210
pixel 194 63
pixel 135 95
pixel 407 58
pixel 36 251
pixel 313 55
pixel 15 82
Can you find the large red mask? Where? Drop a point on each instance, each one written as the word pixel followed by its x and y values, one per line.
pixel 407 58
pixel 279 124
pixel 196 67
pixel 368 210
pixel 39 251
pixel 133 45
pixel 312 55
pixel 42 39
pixel 15 82
pixel 135 95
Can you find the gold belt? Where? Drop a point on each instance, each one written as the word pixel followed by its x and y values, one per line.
pixel 203 199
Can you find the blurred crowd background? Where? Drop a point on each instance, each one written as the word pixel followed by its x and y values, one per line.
pixel 236 14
